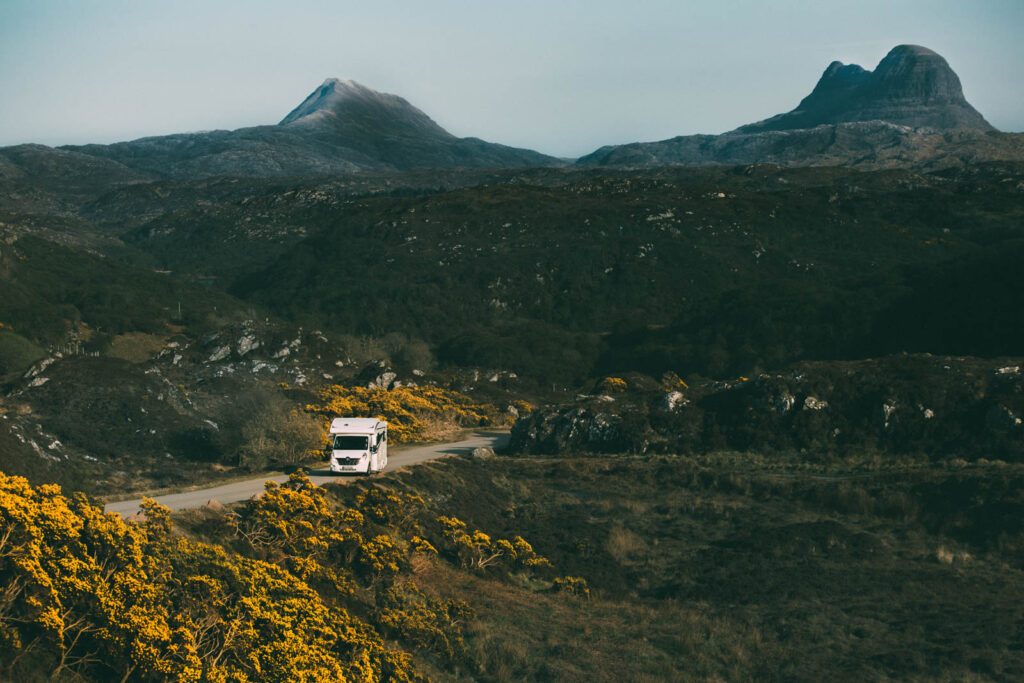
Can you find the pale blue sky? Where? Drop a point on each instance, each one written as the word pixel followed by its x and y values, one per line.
pixel 559 77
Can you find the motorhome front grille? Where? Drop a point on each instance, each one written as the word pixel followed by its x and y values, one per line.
pixel 347 461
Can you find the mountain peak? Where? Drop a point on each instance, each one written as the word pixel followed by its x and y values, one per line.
pixel 336 96
pixel 912 72
pixel 908 49
pixel 912 86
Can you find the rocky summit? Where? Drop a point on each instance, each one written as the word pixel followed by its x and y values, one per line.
pixel 910 112
pixel 340 104
pixel 912 86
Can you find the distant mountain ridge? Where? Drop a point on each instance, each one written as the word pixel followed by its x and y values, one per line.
pixel 867 145
pixel 910 112
pixel 341 127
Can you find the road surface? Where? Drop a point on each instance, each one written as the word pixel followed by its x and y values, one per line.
pixel 398 457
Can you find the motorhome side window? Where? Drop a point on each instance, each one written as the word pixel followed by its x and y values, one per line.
pixel 351 443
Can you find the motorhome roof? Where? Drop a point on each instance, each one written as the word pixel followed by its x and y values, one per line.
pixel 349 425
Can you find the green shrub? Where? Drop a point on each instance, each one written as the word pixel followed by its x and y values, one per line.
pixel 17 353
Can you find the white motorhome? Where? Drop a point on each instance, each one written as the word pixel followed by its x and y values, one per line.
pixel 359 445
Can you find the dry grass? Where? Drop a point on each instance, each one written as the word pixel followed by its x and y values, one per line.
pixel 136 347
pixel 948 556
pixel 636 507
pixel 696 574
pixel 624 545
pixel 439 427
pixel 520 634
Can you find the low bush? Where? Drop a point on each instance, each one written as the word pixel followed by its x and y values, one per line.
pixel 412 412
pixel 278 434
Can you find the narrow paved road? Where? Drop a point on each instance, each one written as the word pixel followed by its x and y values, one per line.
pixel 398 457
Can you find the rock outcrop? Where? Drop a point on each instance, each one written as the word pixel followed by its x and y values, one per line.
pixel 932 405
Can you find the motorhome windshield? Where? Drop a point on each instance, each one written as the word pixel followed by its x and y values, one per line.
pixel 351 443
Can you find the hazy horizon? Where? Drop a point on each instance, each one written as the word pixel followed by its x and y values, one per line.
pixel 562 80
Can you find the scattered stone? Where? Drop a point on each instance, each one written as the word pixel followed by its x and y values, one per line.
pixel 887 412
pixel 1001 417
pixel 673 400
pixel 219 354
pixel 39 367
pixel 783 402
pixel 247 343
pixel 385 380
pixel 814 403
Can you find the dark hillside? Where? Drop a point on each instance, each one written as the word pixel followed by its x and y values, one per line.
pixel 696 271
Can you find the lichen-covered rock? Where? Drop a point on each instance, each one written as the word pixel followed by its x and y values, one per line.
pixel 673 400
pixel 814 403
pixel 219 354
pixel 247 343
pixel 385 380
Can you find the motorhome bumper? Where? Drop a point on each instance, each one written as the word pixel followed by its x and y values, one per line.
pixel 350 464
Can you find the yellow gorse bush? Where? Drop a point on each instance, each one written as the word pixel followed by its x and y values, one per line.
pixel 613 385
pixel 431 623
pixel 392 508
pixel 523 407
pixel 477 550
pixel 86 591
pixel 574 585
pixel 409 411
pixel 88 595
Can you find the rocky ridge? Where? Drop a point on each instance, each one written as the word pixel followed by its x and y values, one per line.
pixel 944 407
